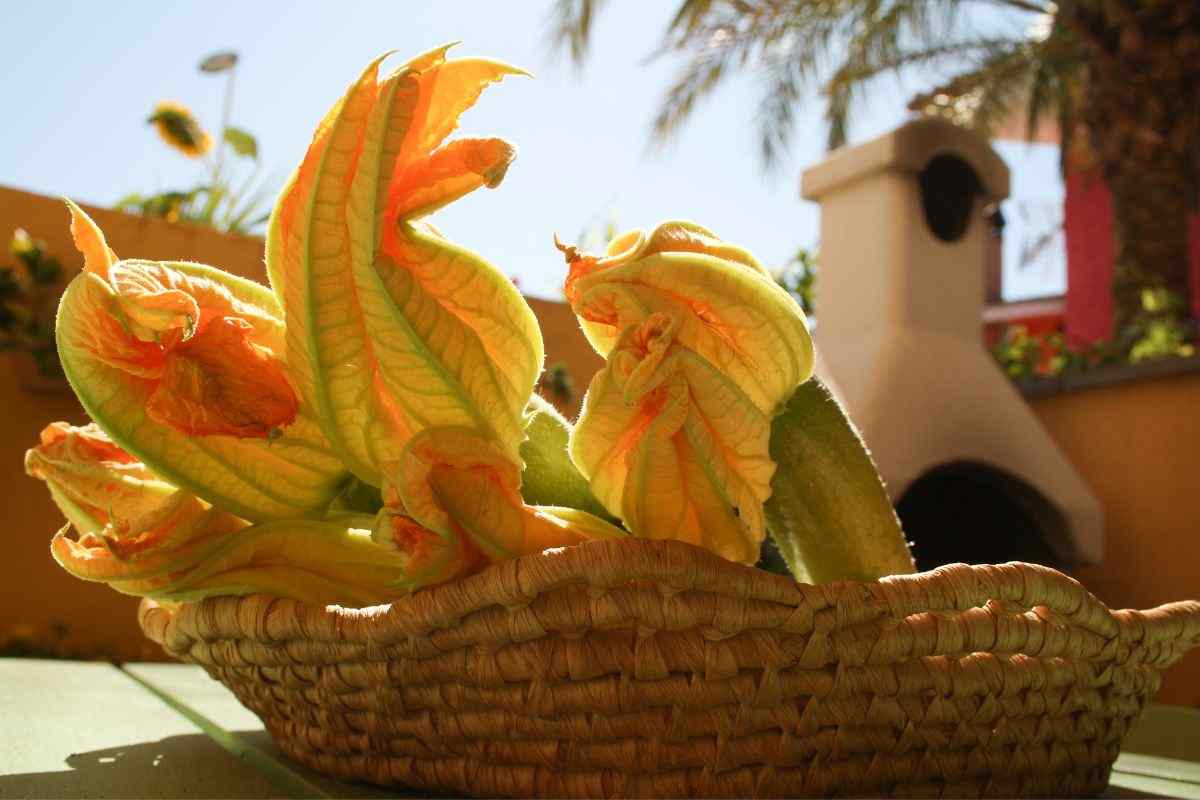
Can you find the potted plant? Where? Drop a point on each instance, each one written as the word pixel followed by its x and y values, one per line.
pixel 28 294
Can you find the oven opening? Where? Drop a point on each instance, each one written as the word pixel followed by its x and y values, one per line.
pixel 967 511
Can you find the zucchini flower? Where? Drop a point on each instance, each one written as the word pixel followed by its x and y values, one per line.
pixel 182 365
pixel 464 487
pixel 705 426
pixel 703 350
pixel 417 356
pixel 93 481
pixel 128 521
pixel 392 328
pixel 724 305
pixel 330 561
pixel 673 446
pixel 195 556
pixel 143 536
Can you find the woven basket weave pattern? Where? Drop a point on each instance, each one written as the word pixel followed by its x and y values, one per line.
pixel 658 669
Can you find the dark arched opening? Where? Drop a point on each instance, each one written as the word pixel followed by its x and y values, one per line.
pixel 948 189
pixel 977 514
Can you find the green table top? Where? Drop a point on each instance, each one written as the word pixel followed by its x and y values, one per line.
pixel 79 729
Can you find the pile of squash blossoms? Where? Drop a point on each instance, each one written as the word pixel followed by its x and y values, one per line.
pixel 368 424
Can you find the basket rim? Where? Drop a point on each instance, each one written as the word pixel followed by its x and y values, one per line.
pixel 674 567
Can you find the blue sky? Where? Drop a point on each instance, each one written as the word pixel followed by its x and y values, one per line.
pixel 79 94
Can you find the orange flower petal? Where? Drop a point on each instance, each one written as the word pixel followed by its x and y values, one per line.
pixel 92 480
pixel 89 240
pixel 450 172
pixel 179 535
pixel 107 339
pixel 220 382
pixel 88 441
pixel 145 293
pixel 447 89
pixel 431 558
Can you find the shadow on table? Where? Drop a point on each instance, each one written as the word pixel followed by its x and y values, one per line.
pixel 184 766
pixel 189 765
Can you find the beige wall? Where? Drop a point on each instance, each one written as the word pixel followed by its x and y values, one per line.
pixel 1137 445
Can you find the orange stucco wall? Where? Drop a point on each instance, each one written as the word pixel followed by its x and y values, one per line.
pixel 1137 445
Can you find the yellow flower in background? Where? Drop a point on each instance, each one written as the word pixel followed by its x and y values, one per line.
pixel 181 130
pixel 21 243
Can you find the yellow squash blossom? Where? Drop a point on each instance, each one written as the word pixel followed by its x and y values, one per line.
pixel 461 485
pixel 330 561
pixel 674 447
pixel 94 482
pixel 703 350
pixel 142 536
pixel 182 365
pixel 391 328
pixel 725 306
pixel 127 521
pixel 180 129
pixel 194 553
pixel 413 351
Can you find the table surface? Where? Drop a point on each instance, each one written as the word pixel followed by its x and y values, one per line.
pixel 86 729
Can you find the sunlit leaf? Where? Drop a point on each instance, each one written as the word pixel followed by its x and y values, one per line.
pixel 242 142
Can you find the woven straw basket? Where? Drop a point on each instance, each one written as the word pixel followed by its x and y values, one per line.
pixel 654 668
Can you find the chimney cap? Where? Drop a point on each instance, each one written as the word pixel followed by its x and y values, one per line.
pixel 909 148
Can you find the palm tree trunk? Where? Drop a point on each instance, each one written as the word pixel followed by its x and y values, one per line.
pixel 1142 111
pixel 1151 210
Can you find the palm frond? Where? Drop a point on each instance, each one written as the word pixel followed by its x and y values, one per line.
pixel 570 27
pixel 728 38
pixel 864 64
pixel 696 80
pixel 689 16
pixel 1035 75
pixel 983 96
pixel 791 43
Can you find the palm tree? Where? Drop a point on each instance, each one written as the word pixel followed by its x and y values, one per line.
pixel 1125 73
pixel 1141 109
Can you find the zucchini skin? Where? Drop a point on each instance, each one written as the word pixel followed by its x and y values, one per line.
pixel 829 513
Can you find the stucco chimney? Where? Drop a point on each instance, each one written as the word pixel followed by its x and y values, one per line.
pixel 899 307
